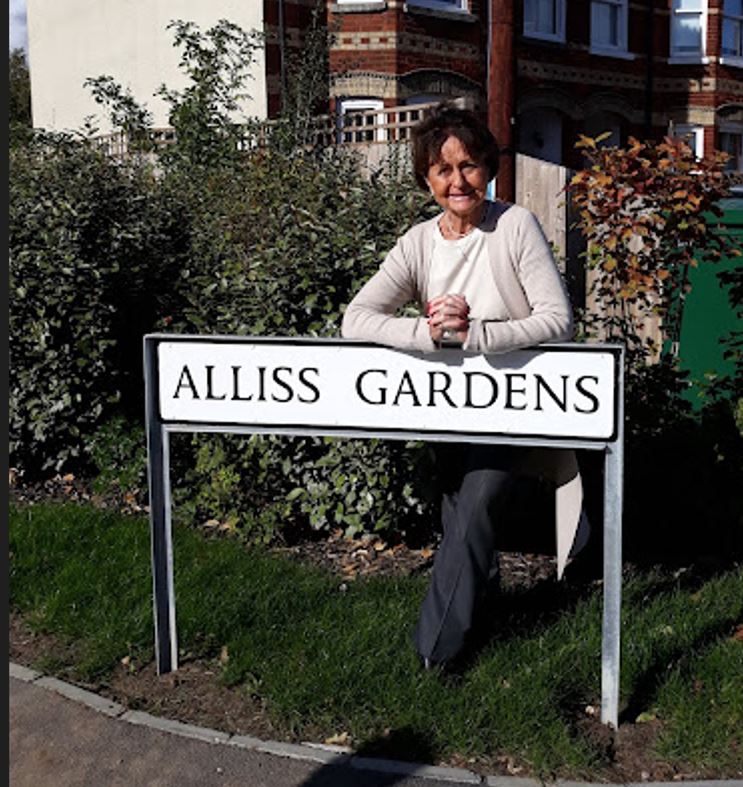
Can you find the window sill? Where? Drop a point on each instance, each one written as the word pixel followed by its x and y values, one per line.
pixel 455 14
pixel 544 37
pixel 694 60
pixel 731 60
pixel 358 8
pixel 621 54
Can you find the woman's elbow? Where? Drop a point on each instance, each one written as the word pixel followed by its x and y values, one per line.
pixel 351 323
pixel 565 327
pixel 347 325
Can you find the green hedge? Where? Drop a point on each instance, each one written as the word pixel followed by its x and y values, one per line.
pixel 83 236
pixel 266 244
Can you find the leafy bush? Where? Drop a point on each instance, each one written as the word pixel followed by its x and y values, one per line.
pixel 268 239
pixel 269 488
pixel 647 213
pixel 118 451
pixel 83 234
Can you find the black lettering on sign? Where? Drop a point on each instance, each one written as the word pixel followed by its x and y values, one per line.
pixel 579 384
pixel 261 383
pixel 185 380
pixel 283 384
pixel 313 388
pixel 406 388
pixel 433 390
pixel 209 393
pixel 236 386
pixel 469 378
pixel 381 391
pixel 511 391
pixel 542 385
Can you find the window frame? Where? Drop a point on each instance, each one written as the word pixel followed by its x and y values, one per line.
pixel 451 6
pixel 680 57
pixel 696 130
pixel 361 105
pixel 737 130
pixel 735 59
pixel 620 48
pixel 559 35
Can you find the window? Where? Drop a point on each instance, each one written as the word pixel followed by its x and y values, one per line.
pixel 692 135
pixel 609 25
pixel 357 121
pixel 732 29
pixel 544 19
pixel 688 29
pixel 731 141
pixel 440 5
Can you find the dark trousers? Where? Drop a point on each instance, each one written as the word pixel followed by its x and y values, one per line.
pixel 477 482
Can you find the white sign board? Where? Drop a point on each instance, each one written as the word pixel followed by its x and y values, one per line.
pixel 554 391
pixel 551 395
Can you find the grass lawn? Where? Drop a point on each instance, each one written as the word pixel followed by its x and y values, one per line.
pixel 325 658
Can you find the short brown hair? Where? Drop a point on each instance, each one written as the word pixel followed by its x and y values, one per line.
pixel 444 121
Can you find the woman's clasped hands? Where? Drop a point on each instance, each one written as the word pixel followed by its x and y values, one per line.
pixel 448 318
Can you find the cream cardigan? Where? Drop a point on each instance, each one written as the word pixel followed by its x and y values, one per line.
pixel 530 285
pixel 524 274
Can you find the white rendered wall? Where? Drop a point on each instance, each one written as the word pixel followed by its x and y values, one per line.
pixel 71 40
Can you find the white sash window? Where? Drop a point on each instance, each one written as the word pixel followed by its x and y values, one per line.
pixel 688 30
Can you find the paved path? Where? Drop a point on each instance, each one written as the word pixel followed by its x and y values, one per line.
pixel 61 735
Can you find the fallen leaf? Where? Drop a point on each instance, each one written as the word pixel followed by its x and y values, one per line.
pixel 738 634
pixel 339 739
pixel 645 717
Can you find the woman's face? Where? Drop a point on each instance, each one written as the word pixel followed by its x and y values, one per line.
pixel 457 180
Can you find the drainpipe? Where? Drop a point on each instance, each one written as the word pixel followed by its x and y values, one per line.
pixel 649 67
pixel 501 92
pixel 282 54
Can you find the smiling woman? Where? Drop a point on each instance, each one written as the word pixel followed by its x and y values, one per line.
pixel 489 283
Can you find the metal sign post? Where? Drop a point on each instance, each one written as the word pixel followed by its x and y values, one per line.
pixel 554 396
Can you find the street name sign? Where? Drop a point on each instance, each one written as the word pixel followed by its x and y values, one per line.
pixel 554 395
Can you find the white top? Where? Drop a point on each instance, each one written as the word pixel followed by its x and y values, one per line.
pixel 461 266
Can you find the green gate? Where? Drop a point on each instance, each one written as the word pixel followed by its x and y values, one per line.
pixel 709 315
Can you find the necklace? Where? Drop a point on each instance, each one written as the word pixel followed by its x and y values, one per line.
pixel 452 231
pixel 458 235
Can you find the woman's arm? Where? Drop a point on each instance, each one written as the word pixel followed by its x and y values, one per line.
pixel 371 314
pixel 551 317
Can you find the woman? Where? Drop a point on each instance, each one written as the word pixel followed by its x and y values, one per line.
pixel 488 279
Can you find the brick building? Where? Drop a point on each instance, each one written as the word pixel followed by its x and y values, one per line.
pixel 542 71
pixel 547 70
